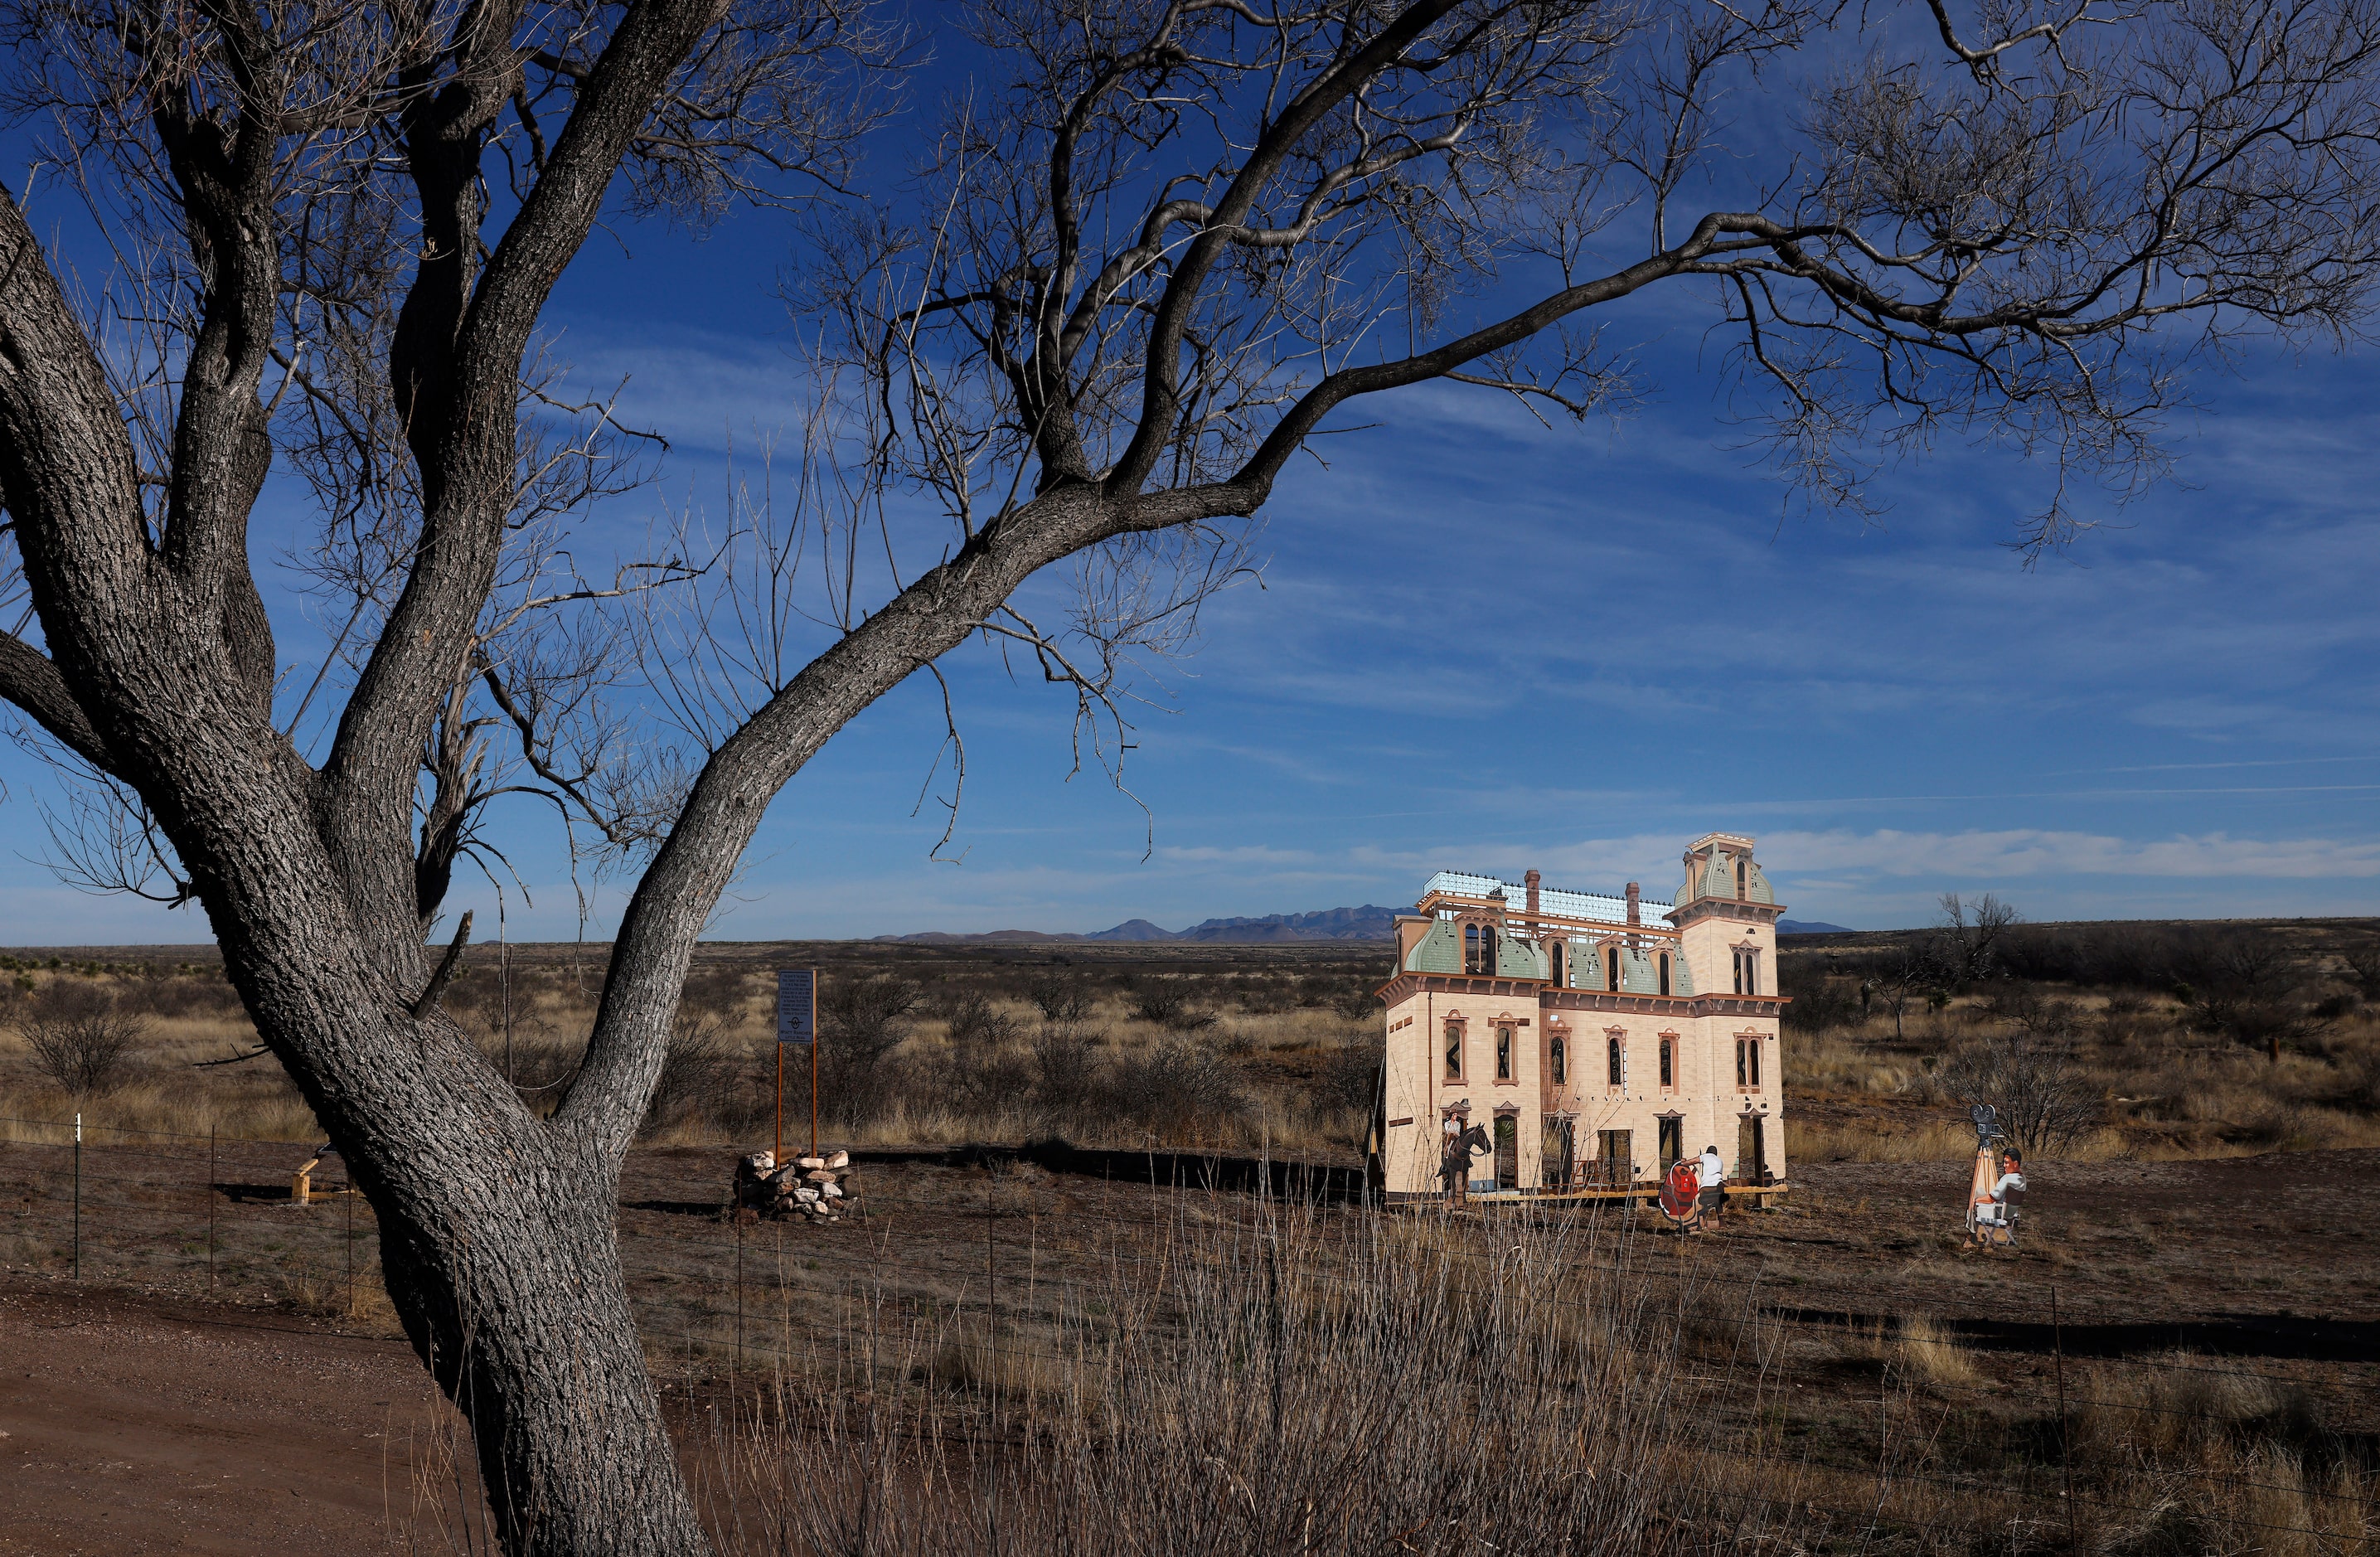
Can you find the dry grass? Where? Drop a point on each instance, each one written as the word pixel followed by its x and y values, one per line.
pixel 2207 1456
pixel 2164 1090
pixel 1279 1041
pixel 1921 1142
pixel 168 1090
pixel 1228 1399
pixel 1934 1355
pixel 1258 1381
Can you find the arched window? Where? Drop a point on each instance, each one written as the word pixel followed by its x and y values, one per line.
pixel 1669 1064
pixel 1740 876
pixel 1611 969
pixel 1665 973
pixel 1455 1050
pixel 1612 1056
pixel 1503 1053
pixel 1554 963
pixel 1747 971
pixel 1560 1063
pixel 1479 949
pixel 1471 948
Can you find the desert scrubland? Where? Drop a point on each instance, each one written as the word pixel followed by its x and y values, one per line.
pixel 2176 1359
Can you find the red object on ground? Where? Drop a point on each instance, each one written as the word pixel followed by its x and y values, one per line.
pixel 1681 1188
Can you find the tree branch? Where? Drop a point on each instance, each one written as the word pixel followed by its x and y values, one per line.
pixel 29 680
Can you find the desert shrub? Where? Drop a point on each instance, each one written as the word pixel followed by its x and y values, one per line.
pixel 1262 997
pixel 1067 1078
pixel 696 1071
pixel 1355 1003
pixel 2045 1103
pixel 2360 967
pixel 986 1083
pixel 1168 1006
pixel 973 1021
pixel 862 1021
pixel 1059 999
pixel 81 1038
pixel 1822 1000
pixel 1175 1089
pixel 713 992
pixel 169 996
pixel 1348 1075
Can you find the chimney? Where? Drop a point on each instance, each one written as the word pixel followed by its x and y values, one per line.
pixel 1533 879
pixel 1635 915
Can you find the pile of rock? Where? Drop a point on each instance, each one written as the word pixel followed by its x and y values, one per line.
pixel 816 1188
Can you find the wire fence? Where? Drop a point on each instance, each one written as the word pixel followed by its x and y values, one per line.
pixel 1000 1290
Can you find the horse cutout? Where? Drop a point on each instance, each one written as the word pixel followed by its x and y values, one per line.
pixel 1454 1169
pixel 1681 1194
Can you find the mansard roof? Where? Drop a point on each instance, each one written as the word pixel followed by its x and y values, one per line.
pixel 1596 907
pixel 1718 875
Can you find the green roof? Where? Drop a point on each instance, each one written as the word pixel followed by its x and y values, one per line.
pixel 1440 951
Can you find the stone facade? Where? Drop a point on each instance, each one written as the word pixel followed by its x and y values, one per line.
pixel 1595 1038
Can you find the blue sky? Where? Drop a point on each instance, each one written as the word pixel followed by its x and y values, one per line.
pixel 1483 644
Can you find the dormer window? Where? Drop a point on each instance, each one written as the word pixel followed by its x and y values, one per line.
pixel 1611 969
pixel 1742 871
pixel 1479 949
pixel 1554 961
pixel 1665 973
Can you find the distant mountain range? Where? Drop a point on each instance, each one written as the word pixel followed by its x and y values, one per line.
pixel 1370 922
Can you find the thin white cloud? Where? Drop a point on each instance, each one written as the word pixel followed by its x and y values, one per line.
pixel 1251 855
pixel 2026 852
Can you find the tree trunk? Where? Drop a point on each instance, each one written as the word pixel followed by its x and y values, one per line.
pixel 525 1322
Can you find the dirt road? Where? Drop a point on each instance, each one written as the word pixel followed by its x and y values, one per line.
pixel 136 1427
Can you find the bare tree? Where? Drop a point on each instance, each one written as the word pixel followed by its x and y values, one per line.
pixel 1969 939
pixel 1910 968
pixel 1157 255
pixel 81 1037
pixel 2257 991
pixel 2360 967
pixel 2027 1072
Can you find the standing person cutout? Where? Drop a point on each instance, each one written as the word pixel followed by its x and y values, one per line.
pixel 1713 1182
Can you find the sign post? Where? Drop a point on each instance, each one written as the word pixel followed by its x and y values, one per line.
pixel 797 1023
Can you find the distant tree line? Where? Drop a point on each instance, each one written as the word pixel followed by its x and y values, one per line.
pixel 2256 983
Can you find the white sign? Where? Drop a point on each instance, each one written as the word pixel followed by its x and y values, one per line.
pixel 797 1005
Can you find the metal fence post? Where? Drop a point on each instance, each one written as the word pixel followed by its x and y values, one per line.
pixel 211 1207
pixel 78 1199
